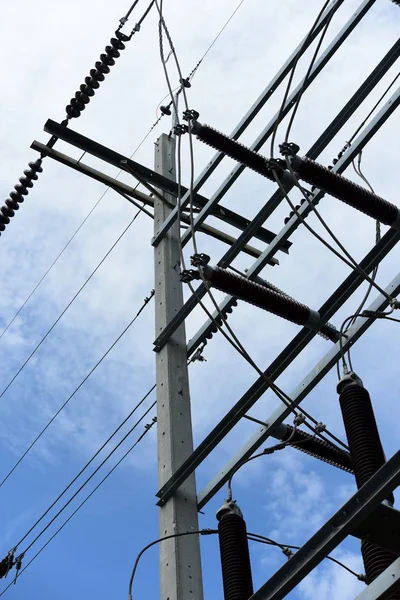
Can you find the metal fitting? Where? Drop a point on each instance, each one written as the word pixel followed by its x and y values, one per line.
pixel 289 149
pixel 200 260
pixel 348 379
pixel 190 115
pixel 229 507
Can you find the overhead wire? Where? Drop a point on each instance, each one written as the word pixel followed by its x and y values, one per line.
pixel 262 539
pixel 68 502
pixel 234 341
pixel 78 508
pixel 77 388
pixel 290 78
pixel 69 304
pixel 195 357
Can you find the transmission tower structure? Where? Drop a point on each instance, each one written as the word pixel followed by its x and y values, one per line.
pixel 369 514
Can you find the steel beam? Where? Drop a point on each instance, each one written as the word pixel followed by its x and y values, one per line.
pixel 261 139
pixel 343 522
pixel 297 395
pixel 276 368
pixel 384 586
pixel 368 132
pixel 150 177
pixel 131 192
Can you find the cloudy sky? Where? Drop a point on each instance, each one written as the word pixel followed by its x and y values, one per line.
pixel 49 49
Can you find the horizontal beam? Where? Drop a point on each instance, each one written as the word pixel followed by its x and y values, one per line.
pixel 254 110
pixel 335 530
pixel 151 177
pixel 297 395
pixel 276 368
pixel 383 587
pixel 119 186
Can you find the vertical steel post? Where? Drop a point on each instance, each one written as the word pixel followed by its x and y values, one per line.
pixel 180 564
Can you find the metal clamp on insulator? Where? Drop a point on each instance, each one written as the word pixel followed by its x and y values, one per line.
pixel 190 115
pixel 247 157
pixel 347 191
pixel 189 275
pixel 180 129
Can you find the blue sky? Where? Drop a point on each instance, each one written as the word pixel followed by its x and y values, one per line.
pixel 50 48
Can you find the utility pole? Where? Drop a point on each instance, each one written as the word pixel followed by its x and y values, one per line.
pixel 180 563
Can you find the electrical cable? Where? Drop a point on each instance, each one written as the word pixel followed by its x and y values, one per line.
pixel 79 489
pixel 73 236
pixel 352 263
pixel 70 303
pixel 147 429
pixel 289 83
pixel 236 343
pixel 163 539
pixel 254 537
pixel 195 357
pixel 53 418
pixel 314 58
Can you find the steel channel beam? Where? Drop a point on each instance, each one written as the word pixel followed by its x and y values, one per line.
pixel 297 395
pixel 253 111
pixel 117 185
pixel 383 587
pixel 268 130
pixel 145 174
pixel 364 137
pixel 281 362
pixel 335 530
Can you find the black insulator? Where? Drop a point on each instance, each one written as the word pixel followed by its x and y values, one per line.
pixel 102 67
pixel 12 204
pixel 367 457
pixel 347 191
pixel 92 82
pixel 362 433
pixel 376 560
pixel 86 90
pixel 254 293
pixel 234 149
pixel 95 74
pixel 107 60
pixel 235 558
pixel 16 196
pixel 319 448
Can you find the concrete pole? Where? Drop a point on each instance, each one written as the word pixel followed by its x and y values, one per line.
pixel 180 563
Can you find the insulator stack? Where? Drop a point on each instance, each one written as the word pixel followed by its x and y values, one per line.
pixel 347 191
pixel 367 457
pixel 261 296
pixel 97 75
pixel 234 149
pixel 234 551
pixel 325 451
pixel 16 197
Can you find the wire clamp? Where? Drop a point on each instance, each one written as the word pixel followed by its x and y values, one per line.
pixel 320 427
pixel 287 552
pixel 189 275
pixel 199 260
pixel 190 115
pixel 180 129
pixel 185 82
pixel 18 566
pixel 289 149
pixel 198 355
pixel 299 419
